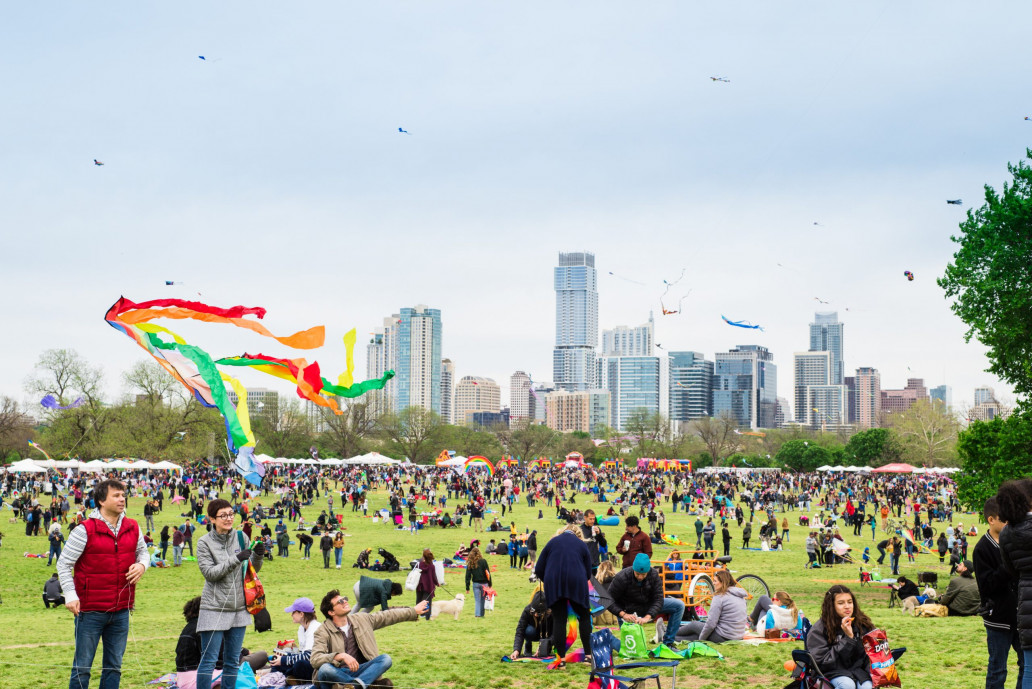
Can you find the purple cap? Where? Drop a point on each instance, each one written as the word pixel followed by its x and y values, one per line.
pixel 301 605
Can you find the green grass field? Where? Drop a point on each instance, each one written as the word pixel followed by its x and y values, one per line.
pixel 36 644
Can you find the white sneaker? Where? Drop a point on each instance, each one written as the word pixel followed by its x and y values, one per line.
pixel 338 566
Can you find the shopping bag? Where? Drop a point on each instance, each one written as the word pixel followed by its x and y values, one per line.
pixel 412 580
pixel 632 641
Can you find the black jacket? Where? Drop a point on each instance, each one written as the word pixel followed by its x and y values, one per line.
pixel 188 649
pixel 543 624
pixel 996 588
pixel 845 657
pixel 589 540
pixel 1016 548
pixel 638 597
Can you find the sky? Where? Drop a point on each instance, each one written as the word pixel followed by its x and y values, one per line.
pixel 272 173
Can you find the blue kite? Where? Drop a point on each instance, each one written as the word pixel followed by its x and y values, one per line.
pixel 403 131
pixel 742 324
pixel 51 402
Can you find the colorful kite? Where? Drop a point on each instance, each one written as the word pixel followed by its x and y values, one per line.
pixel 721 79
pixel 34 445
pixel 51 402
pixel 742 324
pixel 954 202
pixel 97 162
pixel 756 433
pixel 670 540
pixel 199 372
pixel 482 462
pixel 909 275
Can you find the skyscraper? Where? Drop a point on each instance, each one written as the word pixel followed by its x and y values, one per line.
pixel 380 357
pixel 577 411
pixel 624 341
pixel 942 393
pixel 410 344
pixel 826 336
pixel 519 397
pixel 894 401
pixel 634 383
pixel 745 385
pixel 476 394
pixel 868 397
pixel 984 394
pixel 691 386
pixel 811 369
pixel 447 391
pixel 576 321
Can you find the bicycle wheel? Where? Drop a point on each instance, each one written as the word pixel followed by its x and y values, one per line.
pixel 754 585
pixel 700 594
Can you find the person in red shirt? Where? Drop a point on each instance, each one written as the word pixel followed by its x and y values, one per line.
pixel 633 541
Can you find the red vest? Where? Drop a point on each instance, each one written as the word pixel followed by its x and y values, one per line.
pixel 100 570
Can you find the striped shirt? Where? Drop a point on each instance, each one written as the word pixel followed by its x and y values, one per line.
pixel 77 544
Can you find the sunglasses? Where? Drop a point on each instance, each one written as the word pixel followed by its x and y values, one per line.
pixel 342 599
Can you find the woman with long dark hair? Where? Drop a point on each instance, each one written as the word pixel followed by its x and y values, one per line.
pixel 428 582
pixel 1014 500
pixel 835 640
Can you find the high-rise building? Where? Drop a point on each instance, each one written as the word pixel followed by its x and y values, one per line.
pixel 826 336
pixel 867 398
pixel 447 391
pixel 261 404
pixel 576 321
pixel 691 386
pixel 984 394
pixel 811 369
pixel 942 393
pixel 634 383
pixel 895 401
pixel 538 392
pixel 624 341
pixel 584 411
pixel 850 383
pixel 783 414
pixel 519 397
pixel 379 357
pixel 410 344
pixel 827 406
pixel 476 394
pixel 745 385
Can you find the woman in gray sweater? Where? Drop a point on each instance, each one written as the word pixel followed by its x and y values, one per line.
pixel 727 618
pixel 221 557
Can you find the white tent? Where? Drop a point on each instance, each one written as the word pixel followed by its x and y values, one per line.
pixel 826 467
pixel 377 458
pixel 26 466
pixel 265 459
pixel 853 469
pixel 94 465
pixel 141 464
pixel 119 464
pixel 331 462
pixel 456 461
pixel 838 468
pixel 166 465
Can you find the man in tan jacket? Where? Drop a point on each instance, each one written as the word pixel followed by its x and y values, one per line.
pixel 344 651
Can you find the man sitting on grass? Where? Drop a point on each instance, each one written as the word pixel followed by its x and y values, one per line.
pixel 344 650
pixel 961 597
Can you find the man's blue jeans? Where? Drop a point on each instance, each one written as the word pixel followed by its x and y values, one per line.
pixel 55 554
pixel 90 629
pixel 478 599
pixel 368 672
pixel 1000 641
pixel 675 609
pixel 229 641
pixel 1026 678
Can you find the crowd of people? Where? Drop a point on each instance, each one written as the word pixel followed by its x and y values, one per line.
pixel 85 524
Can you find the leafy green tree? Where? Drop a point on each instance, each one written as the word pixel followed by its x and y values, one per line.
pixel 993 452
pixel 928 432
pixel 872 447
pixel 412 433
pixel 525 440
pixel 345 434
pixel 802 455
pixel 990 278
pixel 718 435
pixel 650 431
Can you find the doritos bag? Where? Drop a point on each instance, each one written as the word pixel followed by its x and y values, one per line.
pixel 632 642
pixel 883 666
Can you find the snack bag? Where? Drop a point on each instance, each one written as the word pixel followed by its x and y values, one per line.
pixel 883 666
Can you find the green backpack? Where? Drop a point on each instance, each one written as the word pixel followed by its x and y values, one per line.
pixel 632 642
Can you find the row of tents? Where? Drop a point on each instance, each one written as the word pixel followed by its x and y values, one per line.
pixel 32 466
pixel 895 468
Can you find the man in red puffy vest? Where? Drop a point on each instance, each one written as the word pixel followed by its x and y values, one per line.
pixel 99 567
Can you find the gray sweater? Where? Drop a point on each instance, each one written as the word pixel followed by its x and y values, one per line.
pixel 222 600
pixel 727 615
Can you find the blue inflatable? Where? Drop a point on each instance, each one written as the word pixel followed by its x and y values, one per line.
pixel 609 521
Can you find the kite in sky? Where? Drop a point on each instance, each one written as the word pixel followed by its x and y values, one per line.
pixel 33 444
pixel 954 202
pixel 200 373
pixel 742 324
pixel 755 433
pixel 671 313
pixel 620 277
pixel 1028 118
pixel 97 162
pixel 820 300
pixel 910 276
pixel 51 402
pixel 723 79
pixel 403 131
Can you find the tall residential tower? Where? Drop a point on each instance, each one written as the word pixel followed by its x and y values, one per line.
pixel 576 322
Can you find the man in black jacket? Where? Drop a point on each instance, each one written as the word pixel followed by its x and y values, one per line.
pixel 999 598
pixel 637 593
pixel 590 533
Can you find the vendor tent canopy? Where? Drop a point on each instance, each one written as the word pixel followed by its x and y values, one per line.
pixel 166 465
pixel 25 466
pixel 896 468
pixel 826 467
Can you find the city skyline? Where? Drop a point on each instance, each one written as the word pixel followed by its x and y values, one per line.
pixel 812 179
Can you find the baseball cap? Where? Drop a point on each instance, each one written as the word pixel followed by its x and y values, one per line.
pixel 301 605
pixel 641 563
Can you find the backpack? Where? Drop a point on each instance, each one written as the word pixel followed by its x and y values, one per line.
pixel 412 580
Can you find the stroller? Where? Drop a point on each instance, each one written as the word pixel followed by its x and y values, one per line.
pixel 390 563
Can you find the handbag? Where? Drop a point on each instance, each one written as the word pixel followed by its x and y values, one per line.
pixel 254 592
pixel 412 580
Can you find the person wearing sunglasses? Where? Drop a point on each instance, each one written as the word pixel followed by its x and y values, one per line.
pixel 221 554
pixel 344 650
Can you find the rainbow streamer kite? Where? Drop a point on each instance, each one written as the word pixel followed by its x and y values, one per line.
pixel 199 372
pixel 479 461
pixel 572 656
pixel 34 445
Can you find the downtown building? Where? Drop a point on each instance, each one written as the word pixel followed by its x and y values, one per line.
pixel 409 344
pixel 447 391
pixel 826 336
pixel 586 411
pixel 576 322
pixel 476 395
pixel 942 393
pixel 745 385
pixel 262 403
pixel 896 401
pixel 625 341
pixel 819 403
pixel 634 383
pixel 690 386
pixel 867 397
pixel 519 397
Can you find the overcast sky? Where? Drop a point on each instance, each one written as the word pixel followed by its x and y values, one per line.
pixel 273 173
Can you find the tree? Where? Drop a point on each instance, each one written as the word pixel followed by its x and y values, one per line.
pixel 650 431
pixel 928 431
pixel 990 278
pixel 66 375
pixel 15 428
pixel 411 432
pixel 718 435
pixel 345 433
pixel 873 447
pixel 288 436
pixel 802 455
pixel 524 439
pixel 993 452
pixel 148 379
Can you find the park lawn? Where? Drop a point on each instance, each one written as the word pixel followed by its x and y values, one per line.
pixel 36 644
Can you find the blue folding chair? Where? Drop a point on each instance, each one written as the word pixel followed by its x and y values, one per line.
pixel 603 644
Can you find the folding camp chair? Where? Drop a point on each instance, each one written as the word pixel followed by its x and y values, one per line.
pixel 605 672
pixel 808 676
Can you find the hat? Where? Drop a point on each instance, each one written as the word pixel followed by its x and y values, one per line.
pixel 641 563
pixel 301 605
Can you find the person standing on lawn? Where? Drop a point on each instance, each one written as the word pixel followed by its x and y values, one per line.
pixel 104 558
pixel 999 598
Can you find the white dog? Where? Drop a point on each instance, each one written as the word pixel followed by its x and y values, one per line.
pixel 448 607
